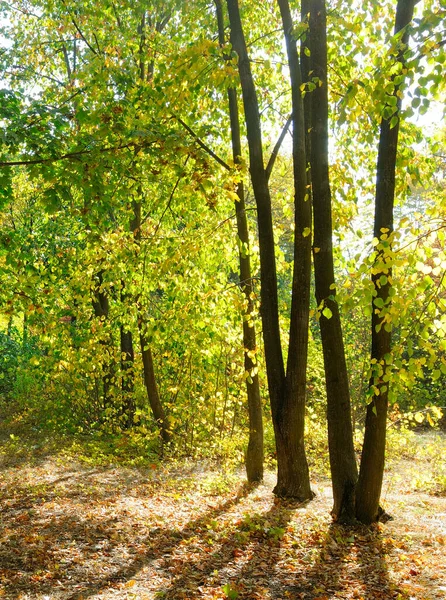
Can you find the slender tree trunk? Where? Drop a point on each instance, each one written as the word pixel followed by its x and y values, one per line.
pixel 146 69
pixel 9 330
pixel 296 372
pixel 373 452
pixel 101 309
pixel 287 391
pixel 254 454
pixel 127 372
pixel 147 359
pixel 344 470
pixel 152 391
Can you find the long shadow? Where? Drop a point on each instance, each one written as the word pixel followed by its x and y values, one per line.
pixel 84 484
pixel 30 549
pixel 373 566
pixel 259 574
pixel 350 559
pixel 323 576
pixel 171 539
pixel 43 551
pixel 252 537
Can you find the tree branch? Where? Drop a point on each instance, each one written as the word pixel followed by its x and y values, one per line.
pixel 72 155
pixel 275 152
pixel 203 145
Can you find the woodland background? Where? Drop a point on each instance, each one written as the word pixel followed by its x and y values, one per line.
pixel 121 298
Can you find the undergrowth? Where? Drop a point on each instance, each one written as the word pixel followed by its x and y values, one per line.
pixel 22 440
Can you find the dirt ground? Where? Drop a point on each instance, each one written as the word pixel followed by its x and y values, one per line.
pixel 71 531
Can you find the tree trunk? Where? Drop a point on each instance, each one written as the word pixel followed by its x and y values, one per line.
pixel 287 392
pixel 101 308
pixel 344 470
pixel 152 391
pixel 296 373
pixel 373 452
pixel 147 359
pixel 127 376
pixel 146 73
pixel 254 453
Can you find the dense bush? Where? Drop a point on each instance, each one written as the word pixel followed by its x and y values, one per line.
pixel 10 350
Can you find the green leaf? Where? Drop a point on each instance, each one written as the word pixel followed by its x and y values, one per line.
pixel 5 185
pixel 327 313
pixel 230 592
pixel 378 302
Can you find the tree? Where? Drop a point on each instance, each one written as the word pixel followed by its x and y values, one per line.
pixel 340 433
pixel 286 389
pixel 254 453
pixel 373 452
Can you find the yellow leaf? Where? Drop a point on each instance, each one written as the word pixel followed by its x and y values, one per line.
pixel 419 417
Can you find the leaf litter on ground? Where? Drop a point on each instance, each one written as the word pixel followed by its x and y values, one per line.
pixel 75 531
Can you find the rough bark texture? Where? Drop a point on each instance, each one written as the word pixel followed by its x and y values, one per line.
pixel 255 452
pixel 373 452
pixel 344 470
pixel 296 372
pixel 287 392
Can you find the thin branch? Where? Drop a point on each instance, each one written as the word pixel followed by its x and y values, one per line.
pixel 167 207
pixel 275 152
pixel 203 145
pixel 78 29
pixel 97 43
pixel 117 17
pixel 162 24
pixel 72 155
pixel 82 36
pixel 67 61
pixel 263 36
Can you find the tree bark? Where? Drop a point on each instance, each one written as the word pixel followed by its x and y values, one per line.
pixel 100 305
pixel 343 466
pixel 255 452
pixel 147 359
pixel 162 421
pixel 287 391
pixel 127 374
pixel 373 452
pixel 152 391
pixel 300 294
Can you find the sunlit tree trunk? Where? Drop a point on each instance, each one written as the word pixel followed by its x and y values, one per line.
pixel 128 407
pixel 286 390
pixel 373 451
pixel 344 470
pixel 127 354
pixel 254 453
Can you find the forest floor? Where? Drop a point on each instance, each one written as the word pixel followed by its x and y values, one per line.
pixel 73 530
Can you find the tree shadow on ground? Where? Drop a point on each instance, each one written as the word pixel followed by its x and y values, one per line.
pixel 19 493
pixel 63 555
pixel 350 559
pixel 250 544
